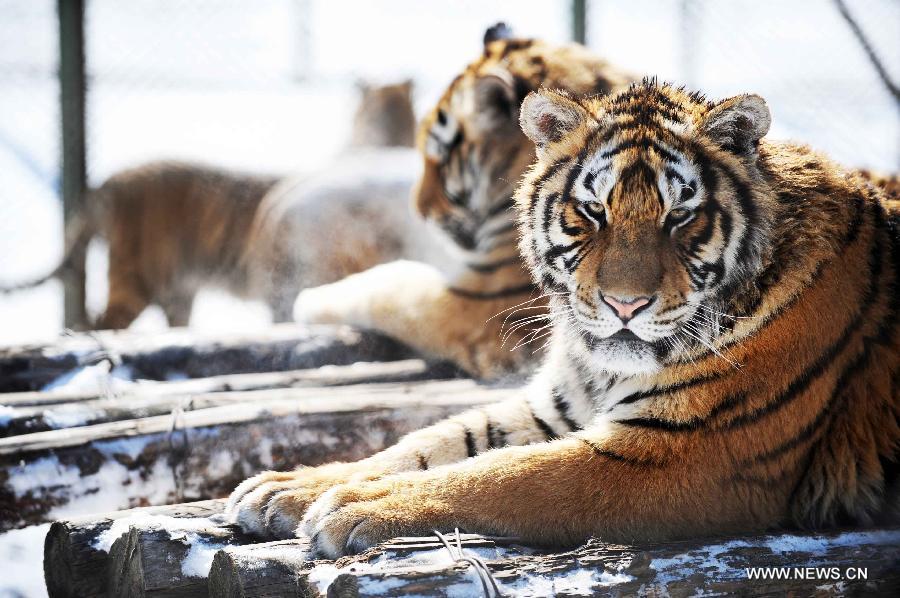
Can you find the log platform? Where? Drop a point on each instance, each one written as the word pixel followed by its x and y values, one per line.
pixel 190 354
pixel 206 411
pixel 188 550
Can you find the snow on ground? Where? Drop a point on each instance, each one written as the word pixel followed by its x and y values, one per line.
pixel 21 562
pixel 271 90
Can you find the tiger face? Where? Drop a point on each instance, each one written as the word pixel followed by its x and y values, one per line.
pixel 474 151
pixel 642 216
pixel 474 154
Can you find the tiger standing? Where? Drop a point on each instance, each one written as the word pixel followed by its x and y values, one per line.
pixel 725 353
pixel 174 227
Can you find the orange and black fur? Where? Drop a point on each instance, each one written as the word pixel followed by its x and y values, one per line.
pixel 474 154
pixel 174 227
pixel 725 354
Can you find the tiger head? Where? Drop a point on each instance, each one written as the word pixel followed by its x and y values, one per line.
pixel 644 214
pixel 473 148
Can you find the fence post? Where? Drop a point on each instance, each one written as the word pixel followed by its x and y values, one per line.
pixel 74 172
pixel 579 21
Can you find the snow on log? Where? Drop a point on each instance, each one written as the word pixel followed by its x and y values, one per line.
pixel 186 550
pixel 76 551
pixel 194 355
pixel 167 557
pixel 145 399
pixel 826 564
pixel 256 570
pixel 204 453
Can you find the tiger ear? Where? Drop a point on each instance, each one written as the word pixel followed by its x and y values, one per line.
pixel 547 116
pixel 497 31
pixel 737 124
pixel 495 103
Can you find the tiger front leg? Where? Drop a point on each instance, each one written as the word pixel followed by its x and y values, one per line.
pixel 272 504
pixel 556 493
pixel 413 303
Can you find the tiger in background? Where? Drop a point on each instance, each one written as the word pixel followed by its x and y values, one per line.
pixel 174 227
pixel 725 354
pixel 474 154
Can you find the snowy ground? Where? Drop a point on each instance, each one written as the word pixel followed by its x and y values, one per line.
pixel 271 90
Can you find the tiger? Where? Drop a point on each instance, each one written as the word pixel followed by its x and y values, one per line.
pixel 725 355
pixel 174 227
pixel 473 153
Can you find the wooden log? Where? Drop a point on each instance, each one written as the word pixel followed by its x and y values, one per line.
pixel 169 558
pixel 281 568
pixel 205 453
pixel 195 355
pixel 834 563
pixel 257 570
pixel 76 555
pixel 156 398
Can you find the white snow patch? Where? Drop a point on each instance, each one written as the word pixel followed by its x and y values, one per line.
pixel 172 525
pixel 264 451
pixel 22 552
pixel 220 464
pixel 100 378
pixel 711 557
pixel 6 414
pixel 69 416
pixel 199 558
pixel 200 555
pixel 43 473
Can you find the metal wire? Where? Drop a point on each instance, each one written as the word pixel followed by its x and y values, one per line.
pixel 488 583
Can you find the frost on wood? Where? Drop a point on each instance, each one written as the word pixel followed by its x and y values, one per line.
pixel 422 567
pixel 76 558
pixel 29 412
pixel 192 354
pixel 207 452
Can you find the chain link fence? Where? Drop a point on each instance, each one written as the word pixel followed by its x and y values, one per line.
pixel 801 56
pixel 268 86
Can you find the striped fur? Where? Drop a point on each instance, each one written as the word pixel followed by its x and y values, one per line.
pixel 174 227
pixel 474 154
pixel 780 410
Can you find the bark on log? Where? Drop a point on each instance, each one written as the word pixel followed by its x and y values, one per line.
pixel 158 398
pixel 258 570
pixel 404 370
pixel 74 565
pixel 163 556
pixel 195 355
pixel 165 561
pixel 717 567
pixel 204 453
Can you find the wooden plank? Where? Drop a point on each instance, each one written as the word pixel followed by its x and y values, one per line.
pixel 192 354
pixel 76 557
pixel 155 399
pixel 192 455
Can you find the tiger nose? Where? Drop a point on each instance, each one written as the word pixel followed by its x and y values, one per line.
pixel 627 309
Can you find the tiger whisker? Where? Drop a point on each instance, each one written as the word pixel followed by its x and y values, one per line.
pixel 696 335
pixel 526 302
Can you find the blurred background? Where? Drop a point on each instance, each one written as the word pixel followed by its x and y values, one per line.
pixel 268 86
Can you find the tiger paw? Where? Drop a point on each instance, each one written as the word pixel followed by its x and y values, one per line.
pixel 327 304
pixel 272 504
pixel 353 517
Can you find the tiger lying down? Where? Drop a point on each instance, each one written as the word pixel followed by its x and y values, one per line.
pixel 724 356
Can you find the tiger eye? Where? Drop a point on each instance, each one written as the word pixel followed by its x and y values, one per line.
pixel 594 212
pixel 679 214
